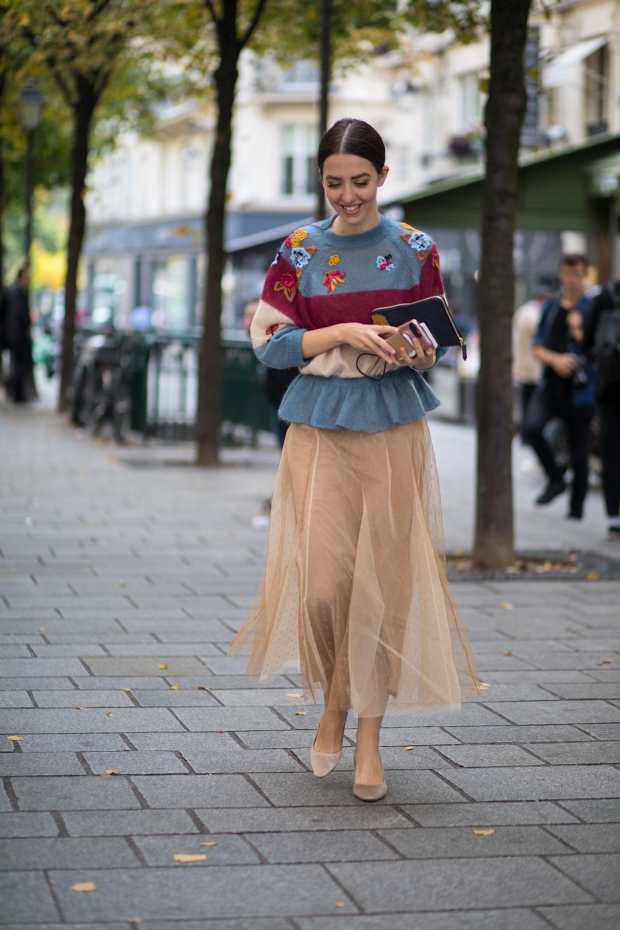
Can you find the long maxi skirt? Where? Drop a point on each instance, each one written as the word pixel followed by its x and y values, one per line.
pixel 355 594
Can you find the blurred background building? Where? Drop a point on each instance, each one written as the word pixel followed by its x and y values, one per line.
pixel 145 238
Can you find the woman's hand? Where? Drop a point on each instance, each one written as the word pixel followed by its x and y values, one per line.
pixel 425 356
pixel 369 338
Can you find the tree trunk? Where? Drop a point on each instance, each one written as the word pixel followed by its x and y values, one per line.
pixel 210 361
pixel 326 67
pixel 83 111
pixel 2 194
pixel 505 108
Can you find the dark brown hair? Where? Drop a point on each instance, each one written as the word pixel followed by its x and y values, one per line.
pixel 572 259
pixel 352 137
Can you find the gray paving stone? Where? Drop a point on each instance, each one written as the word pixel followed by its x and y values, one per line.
pixel 538 784
pixel 67 853
pixel 75 698
pixel 590 838
pixel 107 683
pixel 576 917
pixel 580 754
pixel 221 891
pixel 519 734
pixel 198 791
pixel 13 668
pixel 275 739
pixel 506 918
pixel 497 754
pixel 302 789
pixel 29 684
pixel 302 818
pixel 148 666
pixel 15 699
pixel 230 850
pixel 175 698
pixel 71 742
pixel 149 762
pixel 579 690
pixel 85 792
pixel 243 760
pixel 48 926
pixel 604 731
pixel 132 823
pixel 168 650
pixel 596 811
pixel 67 649
pixel 487 814
pixel 184 742
pixel 14 651
pixel 598 874
pixel 229 718
pixel 456 842
pixel 455 883
pixel 470 715
pixel 254 696
pixel 407 736
pixel 252 923
pixel 559 711
pixel 228 681
pixel 40 763
pixel 394 758
pixel 26 896
pixel 5 804
pixel 18 824
pixel 321 846
pixel 128 720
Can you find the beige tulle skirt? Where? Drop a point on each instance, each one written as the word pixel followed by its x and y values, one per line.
pixel 355 594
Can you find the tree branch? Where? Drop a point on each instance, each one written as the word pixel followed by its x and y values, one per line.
pixel 209 5
pixel 247 35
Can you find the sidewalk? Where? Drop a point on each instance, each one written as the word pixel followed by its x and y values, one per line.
pixel 138 740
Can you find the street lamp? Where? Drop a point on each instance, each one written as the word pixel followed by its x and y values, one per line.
pixel 31 103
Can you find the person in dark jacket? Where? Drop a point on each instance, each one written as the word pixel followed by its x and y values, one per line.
pixel 20 384
pixel 602 341
pixel 560 393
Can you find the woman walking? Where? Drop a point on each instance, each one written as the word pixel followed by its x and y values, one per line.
pixel 355 591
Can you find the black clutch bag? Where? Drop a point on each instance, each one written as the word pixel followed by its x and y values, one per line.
pixel 433 311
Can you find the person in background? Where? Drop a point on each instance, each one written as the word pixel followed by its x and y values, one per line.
pixel 602 341
pixel 555 397
pixel 21 386
pixel 526 368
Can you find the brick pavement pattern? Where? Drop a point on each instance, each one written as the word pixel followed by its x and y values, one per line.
pixel 131 738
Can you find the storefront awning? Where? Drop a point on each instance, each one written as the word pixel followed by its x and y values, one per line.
pixel 557 71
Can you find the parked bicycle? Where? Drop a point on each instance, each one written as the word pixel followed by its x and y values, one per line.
pixel 102 384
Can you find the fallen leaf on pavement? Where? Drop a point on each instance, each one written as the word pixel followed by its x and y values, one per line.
pixel 15 739
pixel 190 857
pixel 486 831
pixel 174 687
pixel 163 665
pixel 221 732
pixel 602 662
pixel 295 694
pixel 407 748
pixel 84 886
pixel 506 605
pixel 483 685
pixel 112 772
pixel 339 903
pixel 126 689
pixel 209 843
pixel 508 652
pixel 300 713
pixel 108 713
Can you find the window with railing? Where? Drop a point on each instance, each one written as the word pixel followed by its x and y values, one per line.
pixel 597 91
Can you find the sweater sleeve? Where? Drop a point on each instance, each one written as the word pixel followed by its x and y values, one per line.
pixel 275 330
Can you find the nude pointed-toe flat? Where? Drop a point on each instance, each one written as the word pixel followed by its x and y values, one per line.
pixel 368 792
pixel 323 762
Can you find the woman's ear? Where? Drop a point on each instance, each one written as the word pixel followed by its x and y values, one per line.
pixel 383 175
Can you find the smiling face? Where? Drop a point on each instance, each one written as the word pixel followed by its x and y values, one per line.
pixel 350 184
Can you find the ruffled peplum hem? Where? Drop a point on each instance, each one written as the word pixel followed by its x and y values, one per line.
pixel 355 593
pixel 358 404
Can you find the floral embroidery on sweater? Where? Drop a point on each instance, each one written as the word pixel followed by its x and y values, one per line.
pixel 333 260
pixel 296 238
pixel 288 285
pixel 300 257
pixel 419 242
pixel 333 279
pixel 385 262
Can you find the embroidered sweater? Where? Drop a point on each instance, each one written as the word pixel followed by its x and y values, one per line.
pixel 319 278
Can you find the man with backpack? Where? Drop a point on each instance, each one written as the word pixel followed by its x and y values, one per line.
pixel 602 340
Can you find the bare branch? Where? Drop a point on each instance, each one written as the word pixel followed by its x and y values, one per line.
pixel 211 8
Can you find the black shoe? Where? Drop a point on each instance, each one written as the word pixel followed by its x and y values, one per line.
pixel 553 490
pixel 574 515
pixel 614 531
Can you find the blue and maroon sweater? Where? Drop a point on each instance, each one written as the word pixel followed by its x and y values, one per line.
pixel 319 278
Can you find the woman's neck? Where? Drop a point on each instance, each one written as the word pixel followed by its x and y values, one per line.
pixel 342 228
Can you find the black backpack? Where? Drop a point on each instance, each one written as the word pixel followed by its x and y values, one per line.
pixel 607 351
